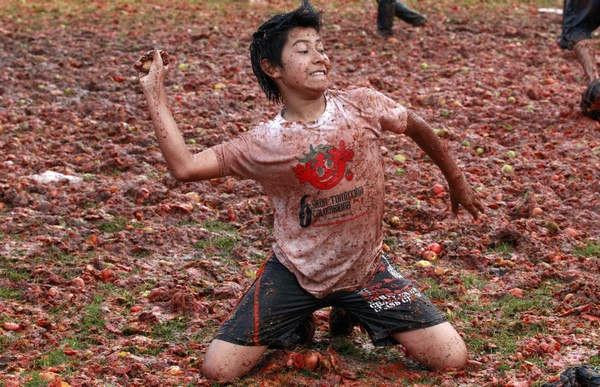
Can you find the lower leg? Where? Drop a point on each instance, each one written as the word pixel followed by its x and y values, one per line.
pixel 438 347
pixel 385 16
pixel 586 55
pixel 225 362
pixel 408 15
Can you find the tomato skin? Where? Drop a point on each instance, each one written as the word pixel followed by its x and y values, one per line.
pixel 429 255
pixel 436 248
pixel 438 189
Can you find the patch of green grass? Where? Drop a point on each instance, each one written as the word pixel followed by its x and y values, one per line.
pixel 123 296
pixel 35 381
pixel 226 239
pixel 346 347
pixel 207 333
pixel 6 293
pixel 474 281
pixel 14 274
pixel 171 330
pixel 391 242
pixel 505 324
pixel 591 250
pixel 55 254
pixel 503 248
pixel 225 244
pixel 116 225
pixel 51 359
pixel 183 223
pixel 5 342
pixel 74 343
pixel 499 318
pixel 218 226
pixel 92 319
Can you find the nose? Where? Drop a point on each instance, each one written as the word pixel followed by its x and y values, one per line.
pixel 319 56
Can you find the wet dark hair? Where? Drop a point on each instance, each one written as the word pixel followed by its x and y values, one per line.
pixel 268 41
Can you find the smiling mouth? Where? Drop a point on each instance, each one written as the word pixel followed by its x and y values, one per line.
pixel 318 73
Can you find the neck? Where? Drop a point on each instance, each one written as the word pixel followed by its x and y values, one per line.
pixel 304 110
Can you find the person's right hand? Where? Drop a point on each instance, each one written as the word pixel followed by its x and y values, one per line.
pixel 153 82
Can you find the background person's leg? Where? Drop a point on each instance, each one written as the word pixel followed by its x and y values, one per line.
pixel 585 50
pixel 385 17
pixel 408 15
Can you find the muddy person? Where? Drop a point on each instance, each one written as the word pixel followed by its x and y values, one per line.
pixel 319 162
pixel 580 19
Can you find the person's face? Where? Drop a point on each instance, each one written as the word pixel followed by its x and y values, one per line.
pixel 305 65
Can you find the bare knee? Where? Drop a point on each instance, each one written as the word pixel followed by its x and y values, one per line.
pixel 439 347
pixel 455 356
pixel 216 372
pixel 226 362
pixel 447 356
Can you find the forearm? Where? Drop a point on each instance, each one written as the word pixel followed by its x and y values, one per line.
pixel 424 136
pixel 170 140
pixel 461 192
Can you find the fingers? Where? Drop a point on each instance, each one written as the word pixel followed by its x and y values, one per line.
pixel 150 64
pixel 474 212
pixel 480 206
pixel 471 204
pixel 158 58
pixel 455 206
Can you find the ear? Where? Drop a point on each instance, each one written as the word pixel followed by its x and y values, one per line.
pixel 270 69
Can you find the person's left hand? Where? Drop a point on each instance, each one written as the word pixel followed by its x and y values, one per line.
pixel 461 193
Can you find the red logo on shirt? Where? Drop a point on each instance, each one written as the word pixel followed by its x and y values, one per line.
pixel 324 166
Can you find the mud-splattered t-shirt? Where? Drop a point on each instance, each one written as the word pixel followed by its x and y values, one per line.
pixel 325 181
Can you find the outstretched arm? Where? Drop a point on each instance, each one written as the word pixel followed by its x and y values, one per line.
pixel 183 165
pixel 461 193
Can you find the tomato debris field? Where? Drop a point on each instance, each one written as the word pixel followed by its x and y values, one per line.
pixel 117 275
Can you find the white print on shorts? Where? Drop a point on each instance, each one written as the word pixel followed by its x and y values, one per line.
pixel 390 299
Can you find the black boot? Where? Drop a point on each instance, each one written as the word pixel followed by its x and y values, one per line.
pixel 408 15
pixel 590 101
pixel 341 323
pixel 385 17
pixel 303 335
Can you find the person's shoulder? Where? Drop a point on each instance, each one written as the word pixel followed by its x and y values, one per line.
pixel 265 128
pixel 358 91
pixel 355 93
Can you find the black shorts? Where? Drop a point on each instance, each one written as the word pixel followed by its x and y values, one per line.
pixel 580 19
pixel 275 306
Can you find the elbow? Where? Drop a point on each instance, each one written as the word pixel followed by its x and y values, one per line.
pixel 196 168
pixel 188 175
pixel 182 174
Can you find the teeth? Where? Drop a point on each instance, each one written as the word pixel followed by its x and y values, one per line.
pixel 319 73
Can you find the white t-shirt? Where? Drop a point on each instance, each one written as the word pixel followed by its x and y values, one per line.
pixel 325 181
